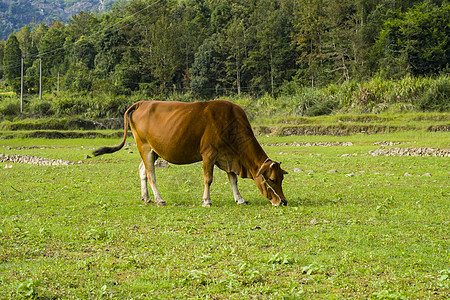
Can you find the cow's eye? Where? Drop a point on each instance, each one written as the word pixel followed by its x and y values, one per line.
pixel 272 180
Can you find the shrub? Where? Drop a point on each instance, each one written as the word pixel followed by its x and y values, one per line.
pixel 40 108
pixel 9 107
pixel 314 102
pixel 68 105
pixel 436 97
pixel 107 106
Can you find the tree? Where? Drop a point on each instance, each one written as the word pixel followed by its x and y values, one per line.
pixel 109 51
pixel 272 56
pixel 82 51
pixel 25 40
pixel 128 73
pixel 51 49
pixel 235 45
pixel 194 26
pixel 2 51
pixel 12 59
pixel 78 78
pixel 221 16
pixel 38 32
pixel 82 24
pixel 160 52
pixel 207 69
pixel 309 31
pixel 415 42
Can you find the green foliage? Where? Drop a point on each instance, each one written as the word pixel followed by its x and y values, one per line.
pixel 436 97
pixel 9 107
pixel 79 78
pixel 207 69
pixel 314 57
pixel 28 289
pixel 51 49
pixel 12 56
pixel 17 14
pixel 109 51
pixel 2 53
pixel 415 41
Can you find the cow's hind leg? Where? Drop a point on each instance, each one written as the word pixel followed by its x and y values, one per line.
pixel 208 169
pixel 150 168
pixel 237 196
pixel 144 188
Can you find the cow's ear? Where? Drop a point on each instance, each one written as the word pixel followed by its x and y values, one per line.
pixel 284 172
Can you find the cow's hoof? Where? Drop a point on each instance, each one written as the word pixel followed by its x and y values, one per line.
pixel 161 203
pixel 242 203
pixel 146 200
pixel 207 204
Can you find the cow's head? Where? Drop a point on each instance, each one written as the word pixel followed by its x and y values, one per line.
pixel 268 179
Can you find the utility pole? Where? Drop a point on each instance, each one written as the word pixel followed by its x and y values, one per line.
pixel 21 80
pixel 40 78
pixel 21 85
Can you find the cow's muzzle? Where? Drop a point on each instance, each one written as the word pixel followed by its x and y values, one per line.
pixel 283 202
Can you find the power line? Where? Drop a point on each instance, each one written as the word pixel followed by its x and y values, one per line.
pixel 93 34
pixel 104 29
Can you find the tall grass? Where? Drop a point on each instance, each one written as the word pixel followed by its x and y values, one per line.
pixel 403 95
pixel 377 95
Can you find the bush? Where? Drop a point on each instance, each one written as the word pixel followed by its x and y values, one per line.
pixel 107 106
pixel 68 105
pixel 40 108
pixel 314 102
pixel 436 97
pixel 9 107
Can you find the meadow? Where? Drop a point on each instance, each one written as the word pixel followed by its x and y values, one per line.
pixel 356 226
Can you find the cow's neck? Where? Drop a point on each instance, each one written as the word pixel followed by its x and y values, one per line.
pixel 256 157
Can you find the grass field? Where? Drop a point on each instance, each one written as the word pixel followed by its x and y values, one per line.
pixel 355 225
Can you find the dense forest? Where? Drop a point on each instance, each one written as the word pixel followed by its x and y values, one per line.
pixel 210 48
pixel 14 14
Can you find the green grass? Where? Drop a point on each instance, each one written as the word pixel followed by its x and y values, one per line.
pixel 81 231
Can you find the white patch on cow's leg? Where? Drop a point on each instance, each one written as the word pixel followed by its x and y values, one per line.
pixel 144 188
pixel 237 196
pixel 152 157
pixel 208 169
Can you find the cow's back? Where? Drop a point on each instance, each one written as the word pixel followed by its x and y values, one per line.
pixel 179 132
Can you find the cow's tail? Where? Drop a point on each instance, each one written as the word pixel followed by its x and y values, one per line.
pixel 105 150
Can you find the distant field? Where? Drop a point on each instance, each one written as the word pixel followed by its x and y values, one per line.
pixel 337 125
pixel 356 225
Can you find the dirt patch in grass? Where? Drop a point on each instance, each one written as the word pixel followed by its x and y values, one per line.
pixel 34 160
pixel 410 152
pixel 61 134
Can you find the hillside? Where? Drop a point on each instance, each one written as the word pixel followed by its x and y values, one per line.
pixel 14 14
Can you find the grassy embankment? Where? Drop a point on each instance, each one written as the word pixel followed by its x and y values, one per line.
pixel 375 106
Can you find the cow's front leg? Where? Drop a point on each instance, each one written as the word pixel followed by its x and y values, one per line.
pixel 144 187
pixel 150 168
pixel 208 169
pixel 237 196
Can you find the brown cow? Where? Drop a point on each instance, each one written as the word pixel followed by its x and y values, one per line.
pixel 215 132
